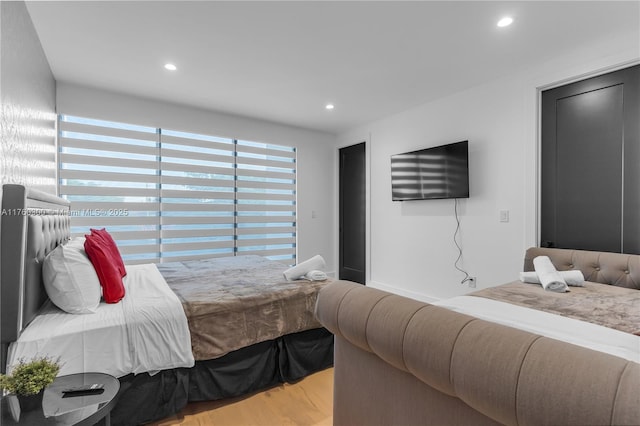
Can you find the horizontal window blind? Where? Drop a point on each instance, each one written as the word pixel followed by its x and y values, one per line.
pixel 109 172
pixel 197 192
pixel 169 195
pixel 266 200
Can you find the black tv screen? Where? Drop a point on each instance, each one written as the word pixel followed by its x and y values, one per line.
pixel 431 173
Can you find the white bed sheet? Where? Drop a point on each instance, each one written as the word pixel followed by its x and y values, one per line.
pixel 146 331
pixel 592 336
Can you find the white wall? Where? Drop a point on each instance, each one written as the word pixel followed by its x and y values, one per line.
pixel 27 143
pixel 411 248
pixel 315 151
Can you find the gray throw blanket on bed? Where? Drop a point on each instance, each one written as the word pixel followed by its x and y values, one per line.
pixel 233 302
pixel 602 304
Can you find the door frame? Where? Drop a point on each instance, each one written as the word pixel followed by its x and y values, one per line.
pixel 537 220
pixel 368 216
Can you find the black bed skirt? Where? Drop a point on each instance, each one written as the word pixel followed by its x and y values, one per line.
pixel 144 398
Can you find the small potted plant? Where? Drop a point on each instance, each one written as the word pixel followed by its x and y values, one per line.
pixel 28 380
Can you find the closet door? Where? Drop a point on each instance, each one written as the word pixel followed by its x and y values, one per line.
pixel 590 164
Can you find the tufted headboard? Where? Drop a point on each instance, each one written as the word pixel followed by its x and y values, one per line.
pixel 621 270
pixel 33 224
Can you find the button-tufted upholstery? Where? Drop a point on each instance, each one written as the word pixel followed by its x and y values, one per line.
pixel 33 224
pixel 622 270
pixel 44 233
pixel 404 362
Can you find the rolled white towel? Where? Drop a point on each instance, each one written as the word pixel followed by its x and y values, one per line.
pixel 302 268
pixel 315 275
pixel 548 275
pixel 573 278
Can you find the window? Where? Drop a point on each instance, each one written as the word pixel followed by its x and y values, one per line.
pixel 109 172
pixel 169 195
pixel 265 200
pixel 198 195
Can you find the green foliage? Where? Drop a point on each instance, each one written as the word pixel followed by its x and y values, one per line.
pixel 29 378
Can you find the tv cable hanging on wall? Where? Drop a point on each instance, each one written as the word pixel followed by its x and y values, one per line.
pixel 455 240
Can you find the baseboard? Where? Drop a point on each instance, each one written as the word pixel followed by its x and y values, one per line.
pixel 402 292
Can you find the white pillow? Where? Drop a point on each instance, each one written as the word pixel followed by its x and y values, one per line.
pixel 70 279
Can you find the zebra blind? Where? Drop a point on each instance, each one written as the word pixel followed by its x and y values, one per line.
pixel 197 192
pixel 109 172
pixel 266 200
pixel 169 195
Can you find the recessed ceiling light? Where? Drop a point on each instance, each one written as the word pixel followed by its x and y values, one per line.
pixel 329 106
pixel 170 67
pixel 505 22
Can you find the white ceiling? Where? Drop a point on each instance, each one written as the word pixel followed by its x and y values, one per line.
pixel 283 61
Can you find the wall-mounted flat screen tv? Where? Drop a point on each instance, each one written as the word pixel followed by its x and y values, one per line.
pixel 431 173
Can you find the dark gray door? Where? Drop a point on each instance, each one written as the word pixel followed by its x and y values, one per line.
pixel 590 183
pixel 352 212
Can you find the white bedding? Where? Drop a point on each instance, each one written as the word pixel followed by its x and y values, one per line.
pixel 592 336
pixel 146 332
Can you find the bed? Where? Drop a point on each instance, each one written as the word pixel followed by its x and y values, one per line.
pixel 480 359
pixel 187 331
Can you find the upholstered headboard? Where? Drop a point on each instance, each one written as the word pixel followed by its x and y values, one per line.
pixel 621 270
pixel 33 224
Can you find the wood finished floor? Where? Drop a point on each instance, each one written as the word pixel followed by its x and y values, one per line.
pixel 308 402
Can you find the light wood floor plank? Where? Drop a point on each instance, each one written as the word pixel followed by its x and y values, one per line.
pixel 308 402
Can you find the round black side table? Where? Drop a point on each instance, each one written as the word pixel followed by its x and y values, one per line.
pixel 86 410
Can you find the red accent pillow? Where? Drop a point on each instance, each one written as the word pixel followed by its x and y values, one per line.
pixel 113 249
pixel 108 272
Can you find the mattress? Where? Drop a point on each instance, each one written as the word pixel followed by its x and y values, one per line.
pixel 146 331
pixel 235 302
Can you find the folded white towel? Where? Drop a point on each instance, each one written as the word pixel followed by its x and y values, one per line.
pixel 302 268
pixel 548 275
pixel 573 278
